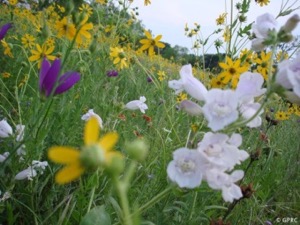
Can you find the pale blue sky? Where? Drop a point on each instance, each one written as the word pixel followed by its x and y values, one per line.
pixel 168 17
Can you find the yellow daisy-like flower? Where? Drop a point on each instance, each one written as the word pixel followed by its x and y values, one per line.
pixel 221 19
pixel 13 2
pixel 161 75
pixel 86 9
pixel 150 43
pixel 42 52
pixel 216 82
pixel 83 30
pixel 28 41
pixel 281 115
pixel 96 153
pixel 263 64
pixel 180 97
pixel 6 75
pixel 232 71
pixel 262 2
pixel 65 28
pixel 281 55
pixel 7 49
pixel 118 56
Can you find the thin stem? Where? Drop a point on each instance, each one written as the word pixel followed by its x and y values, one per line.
pixel 91 199
pixel 153 201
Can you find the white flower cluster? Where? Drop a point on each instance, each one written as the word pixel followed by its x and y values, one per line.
pixel 222 107
pixel 217 154
pixel 35 168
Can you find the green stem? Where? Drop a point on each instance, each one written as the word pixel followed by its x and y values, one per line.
pixel 91 199
pixel 122 188
pixel 154 200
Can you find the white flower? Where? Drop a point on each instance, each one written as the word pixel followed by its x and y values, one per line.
pixel 192 85
pixel 176 85
pixel 249 86
pixel 3 156
pixel 91 113
pixel 5 129
pixel 20 132
pixel 186 168
pixel 221 151
pixel 32 171
pixel 28 174
pixel 288 76
pixel 250 109
pixel 220 108
pixel 191 107
pixel 39 166
pixel 137 104
pixel 219 180
pixel 261 28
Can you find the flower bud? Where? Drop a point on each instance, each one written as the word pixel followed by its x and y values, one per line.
pixel 191 107
pixel 5 129
pixel 137 149
pixel 92 157
pixel 291 23
pixel 116 165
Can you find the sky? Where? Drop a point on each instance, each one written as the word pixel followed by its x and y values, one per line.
pixel 168 17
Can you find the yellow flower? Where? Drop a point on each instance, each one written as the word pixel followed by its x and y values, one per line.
pixel 232 71
pixel 216 82
pixel 50 42
pixel 28 40
pixel 280 115
pixel 118 56
pixel 102 2
pixel 41 52
pixel 147 2
pixel 86 9
pixel 95 153
pixel 13 2
pixel 226 34
pixel 83 30
pixel 65 28
pixel 161 75
pixel 262 2
pixel 263 64
pixel 7 49
pixel 282 55
pixel 221 19
pixel 61 8
pixel 6 75
pixel 150 43
pixel 180 97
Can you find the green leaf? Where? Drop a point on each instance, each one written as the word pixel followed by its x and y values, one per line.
pixel 98 216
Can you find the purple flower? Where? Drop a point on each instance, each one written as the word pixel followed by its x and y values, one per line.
pixel 112 73
pixel 50 81
pixel 149 79
pixel 4 29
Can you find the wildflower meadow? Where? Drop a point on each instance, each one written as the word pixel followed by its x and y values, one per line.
pixel 104 122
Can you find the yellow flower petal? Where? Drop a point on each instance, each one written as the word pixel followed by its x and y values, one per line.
pixel 63 155
pixel 160 45
pixel 148 34
pixel 108 141
pixel 91 131
pixel 69 173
